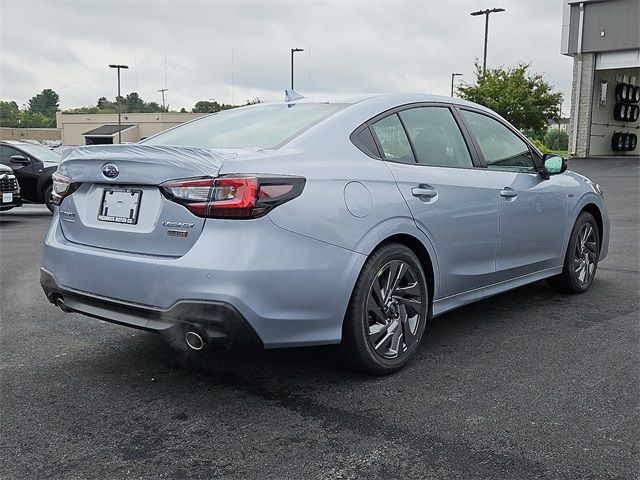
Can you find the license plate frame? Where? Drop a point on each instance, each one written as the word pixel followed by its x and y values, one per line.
pixel 124 204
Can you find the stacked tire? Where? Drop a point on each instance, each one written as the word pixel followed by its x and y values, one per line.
pixel 624 142
pixel 627 99
pixel 626 110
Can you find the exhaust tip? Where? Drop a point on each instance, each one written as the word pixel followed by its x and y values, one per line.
pixel 60 304
pixel 194 340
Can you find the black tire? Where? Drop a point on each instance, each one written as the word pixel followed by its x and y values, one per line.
pixel 633 142
pixel 628 114
pixel 47 197
pixel 635 98
pixel 635 113
pixel 571 279
pixel 620 88
pixel 618 111
pixel 615 142
pixel 626 141
pixel 362 328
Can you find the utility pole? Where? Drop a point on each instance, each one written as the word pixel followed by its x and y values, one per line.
pixel 486 13
pixel 453 75
pixel 162 90
pixel 119 103
pixel 294 50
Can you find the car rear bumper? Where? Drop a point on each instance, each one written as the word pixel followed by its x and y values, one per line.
pixel 290 290
pixel 217 322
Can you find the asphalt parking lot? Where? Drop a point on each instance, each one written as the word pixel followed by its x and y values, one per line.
pixel 529 384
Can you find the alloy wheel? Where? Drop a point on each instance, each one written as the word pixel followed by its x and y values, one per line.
pixel 586 254
pixel 393 309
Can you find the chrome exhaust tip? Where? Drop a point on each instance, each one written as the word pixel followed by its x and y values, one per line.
pixel 60 304
pixel 194 340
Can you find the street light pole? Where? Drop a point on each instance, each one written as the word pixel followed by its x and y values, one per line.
pixel 294 50
pixel 486 31
pixel 453 75
pixel 119 106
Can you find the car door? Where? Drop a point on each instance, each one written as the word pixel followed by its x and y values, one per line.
pixel 452 200
pixel 532 208
pixel 23 171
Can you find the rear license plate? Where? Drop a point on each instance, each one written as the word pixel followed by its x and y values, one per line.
pixel 120 205
pixel 7 197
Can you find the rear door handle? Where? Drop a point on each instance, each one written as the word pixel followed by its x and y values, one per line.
pixel 508 192
pixel 424 191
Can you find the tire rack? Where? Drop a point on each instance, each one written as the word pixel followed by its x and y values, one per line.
pixel 625 110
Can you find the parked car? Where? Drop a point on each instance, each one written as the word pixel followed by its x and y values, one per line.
pixel 33 166
pixel 311 222
pixel 9 189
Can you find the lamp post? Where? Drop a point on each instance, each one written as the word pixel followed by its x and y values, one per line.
pixel 486 13
pixel 119 107
pixel 294 50
pixel 453 75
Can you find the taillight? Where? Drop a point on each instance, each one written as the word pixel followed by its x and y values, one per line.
pixel 62 187
pixel 233 196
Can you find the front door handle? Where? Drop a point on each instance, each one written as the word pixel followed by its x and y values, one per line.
pixel 507 192
pixel 424 191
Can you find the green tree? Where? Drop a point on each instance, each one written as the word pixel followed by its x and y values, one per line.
pixel 556 139
pixel 205 106
pixel 45 103
pixel 9 114
pixel 524 99
pixel 133 103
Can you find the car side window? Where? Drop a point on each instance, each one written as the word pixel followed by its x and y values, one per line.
pixel 6 153
pixel 502 149
pixel 393 139
pixel 436 138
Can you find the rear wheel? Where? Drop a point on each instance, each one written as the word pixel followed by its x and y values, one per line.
pixel 47 196
pixel 581 259
pixel 387 314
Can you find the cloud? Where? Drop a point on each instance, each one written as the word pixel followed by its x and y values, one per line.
pixel 350 46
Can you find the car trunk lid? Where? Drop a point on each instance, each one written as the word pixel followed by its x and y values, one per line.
pixel 119 205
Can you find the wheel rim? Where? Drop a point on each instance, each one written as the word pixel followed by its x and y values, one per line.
pixel 586 254
pixel 394 309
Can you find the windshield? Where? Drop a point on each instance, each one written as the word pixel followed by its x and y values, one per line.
pixel 263 126
pixel 43 154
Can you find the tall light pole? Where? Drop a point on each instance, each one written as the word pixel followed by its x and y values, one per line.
pixel 294 50
pixel 453 75
pixel 486 31
pixel 119 106
pixel 163 90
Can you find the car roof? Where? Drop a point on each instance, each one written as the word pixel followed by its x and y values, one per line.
pixel 397 98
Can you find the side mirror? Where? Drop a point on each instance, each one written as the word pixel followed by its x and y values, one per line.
pixel 554 164
pixel 21 159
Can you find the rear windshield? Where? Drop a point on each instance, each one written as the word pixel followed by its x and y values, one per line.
pixel 263 126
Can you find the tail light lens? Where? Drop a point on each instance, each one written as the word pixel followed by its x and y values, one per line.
pixel 62 187
pixel 233 196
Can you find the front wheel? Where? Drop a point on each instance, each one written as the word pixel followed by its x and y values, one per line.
pixel 387 314
pixel 48 197
pixel 581 258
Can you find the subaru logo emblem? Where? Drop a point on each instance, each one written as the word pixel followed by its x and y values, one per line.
pixel 110 170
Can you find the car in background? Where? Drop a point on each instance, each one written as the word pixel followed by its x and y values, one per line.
pixel 33 166
pixel 9 189
pixel 349 221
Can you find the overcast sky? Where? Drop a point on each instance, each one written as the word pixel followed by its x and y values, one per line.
pixel 237 50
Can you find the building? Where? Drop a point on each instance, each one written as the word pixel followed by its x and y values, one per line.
pixel 101 128
pixel 39 134
pixel 603 37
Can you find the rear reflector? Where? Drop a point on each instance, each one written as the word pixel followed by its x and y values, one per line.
pixel 233 196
